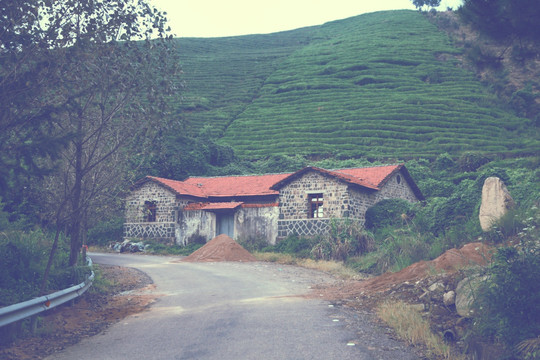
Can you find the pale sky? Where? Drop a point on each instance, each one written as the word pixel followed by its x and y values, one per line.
pixel 217 18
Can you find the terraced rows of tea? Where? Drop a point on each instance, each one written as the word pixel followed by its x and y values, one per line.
pixel 222 76
pixel 384 84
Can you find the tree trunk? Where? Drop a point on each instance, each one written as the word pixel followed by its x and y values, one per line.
pixel 75 229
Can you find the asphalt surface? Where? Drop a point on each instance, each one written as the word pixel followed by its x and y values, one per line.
pixel 234 311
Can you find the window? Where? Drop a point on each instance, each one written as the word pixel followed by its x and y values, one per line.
pixel 398 179
pixel 315 205
pixel 150 211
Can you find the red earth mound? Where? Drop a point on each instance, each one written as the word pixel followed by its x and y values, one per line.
pixel 451 261
pixel 221 248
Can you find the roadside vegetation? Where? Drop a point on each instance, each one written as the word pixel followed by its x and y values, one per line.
pixel 378 88
pixel 413 328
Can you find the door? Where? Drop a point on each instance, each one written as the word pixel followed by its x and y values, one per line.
pixel 225 224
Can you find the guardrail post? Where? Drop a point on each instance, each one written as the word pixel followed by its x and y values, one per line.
pixel 33 324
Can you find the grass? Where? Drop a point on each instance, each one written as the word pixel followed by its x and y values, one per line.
pixel 333 267
pixel 374 85
pixel 412 327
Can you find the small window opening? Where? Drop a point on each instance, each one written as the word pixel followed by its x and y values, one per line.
pixel 315 205
pixel 150 213
pixel 398 179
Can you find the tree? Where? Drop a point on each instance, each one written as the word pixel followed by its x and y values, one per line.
pixel 103 87
pixel 419 4
pixel 504 19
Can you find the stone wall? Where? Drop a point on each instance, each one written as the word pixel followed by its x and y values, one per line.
pixel 164 199
pixel 339 200
pixel 195 223
pixel 305 227
pixel 156 231
pixel 293 197
pixel 256 222
pixel 136 226
pixel 395 188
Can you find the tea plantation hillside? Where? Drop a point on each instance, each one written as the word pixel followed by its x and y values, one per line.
pixel 223 75
pixel 383 85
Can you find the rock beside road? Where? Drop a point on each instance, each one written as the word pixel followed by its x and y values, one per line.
pixel 496 201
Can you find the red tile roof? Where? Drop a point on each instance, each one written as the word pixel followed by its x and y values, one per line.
pixel 260 185
pixel 179 187
pixel 376 176
pixel 251 185
pixel 370 178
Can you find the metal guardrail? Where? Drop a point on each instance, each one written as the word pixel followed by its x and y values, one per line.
pixel 19 311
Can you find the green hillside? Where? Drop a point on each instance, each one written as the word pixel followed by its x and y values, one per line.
pixel 223 75
pixel 385 84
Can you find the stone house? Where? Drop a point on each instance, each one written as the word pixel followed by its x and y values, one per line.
pixel 264 206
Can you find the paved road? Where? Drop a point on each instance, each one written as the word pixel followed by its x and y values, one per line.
pixel 234 311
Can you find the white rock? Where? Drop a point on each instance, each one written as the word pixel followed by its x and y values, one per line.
pixel 436 287
pixel 496 201
pixel 449 298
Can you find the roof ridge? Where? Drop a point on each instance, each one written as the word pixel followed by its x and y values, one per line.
pixel 229 176
pixel 367 167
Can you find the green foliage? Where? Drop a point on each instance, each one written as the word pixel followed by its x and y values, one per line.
pixel 24 257
pixel 503 19
pixel 163 249
pixel 106 232
pixel 440 214
pixel 419 4
pixel 388 212
pixel 294 245
pixel 346 238
pixel 508 302
pixel 279 164
pixel 394 249
pixel 372 86
pixel 4 217
pixel 471 161
pixel 253 243
pixel 179 156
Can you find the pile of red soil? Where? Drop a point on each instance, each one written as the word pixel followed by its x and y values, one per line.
pixel 221 248
pixel 452 260
pixel 448 263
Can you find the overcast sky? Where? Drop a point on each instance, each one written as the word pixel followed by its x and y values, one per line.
pixel 217 18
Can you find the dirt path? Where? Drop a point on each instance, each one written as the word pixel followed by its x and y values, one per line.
pixel 90 315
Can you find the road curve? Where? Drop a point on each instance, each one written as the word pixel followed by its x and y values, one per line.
pixel 234 311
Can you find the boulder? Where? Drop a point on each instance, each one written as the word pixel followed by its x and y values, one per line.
pixel 466 291
pixel 496 201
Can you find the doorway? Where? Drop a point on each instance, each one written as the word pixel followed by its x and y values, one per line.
pixel 225 224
